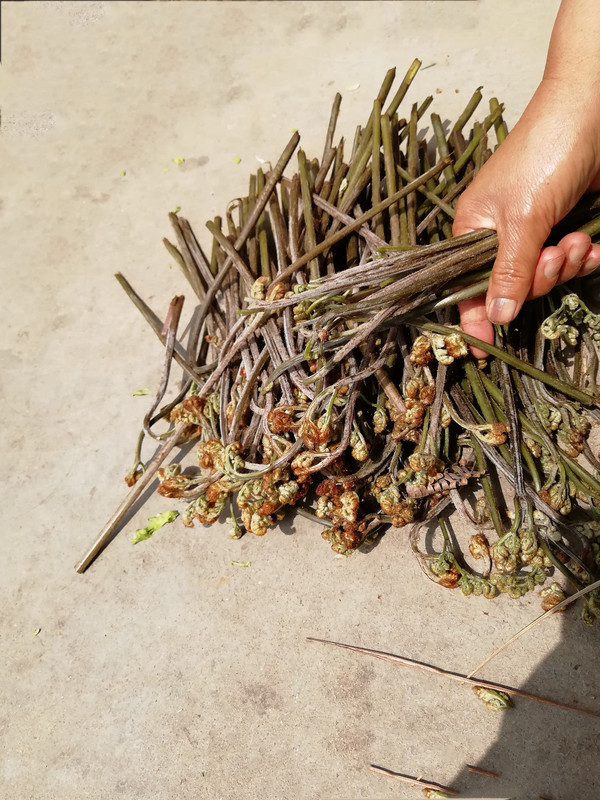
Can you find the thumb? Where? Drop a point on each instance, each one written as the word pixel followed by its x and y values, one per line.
pixel 520 240
pixel 521 236
pixel 471 213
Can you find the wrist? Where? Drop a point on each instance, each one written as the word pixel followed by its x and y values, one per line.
pixel 573 53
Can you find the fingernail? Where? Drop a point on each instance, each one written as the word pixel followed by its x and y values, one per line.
pixel 552 268
pixel 577 254
pixel 501 310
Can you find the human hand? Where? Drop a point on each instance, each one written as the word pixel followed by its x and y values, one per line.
pixel 544 166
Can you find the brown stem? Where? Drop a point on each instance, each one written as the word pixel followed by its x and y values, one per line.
pixel 414 781
pixel 113 523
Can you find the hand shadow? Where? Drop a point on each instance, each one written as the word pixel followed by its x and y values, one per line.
pixel 543 751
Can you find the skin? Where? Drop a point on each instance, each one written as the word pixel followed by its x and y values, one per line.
pixel 547 162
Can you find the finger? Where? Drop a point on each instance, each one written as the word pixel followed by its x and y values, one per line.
pixel 547 270
pixel 592 261
pixel 576 247
pixel 519 245
pixel 473 320
pixel 564 261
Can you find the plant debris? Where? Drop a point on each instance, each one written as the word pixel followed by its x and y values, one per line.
pixel 484 772
pixel 494 700
pixel 324 372
pixel 154 524
pixel 429 789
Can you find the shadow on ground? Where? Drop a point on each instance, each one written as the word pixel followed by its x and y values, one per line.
pixel 543 751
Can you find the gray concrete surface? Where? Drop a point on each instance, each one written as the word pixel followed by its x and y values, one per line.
pixel 164 671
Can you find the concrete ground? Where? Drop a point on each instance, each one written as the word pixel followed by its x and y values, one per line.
pixel 165 671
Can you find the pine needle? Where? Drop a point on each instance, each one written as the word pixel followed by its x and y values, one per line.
pixel 528 627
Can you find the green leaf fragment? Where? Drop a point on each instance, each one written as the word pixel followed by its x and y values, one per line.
pixel 37 631
pixel 236 160
pixel 122 173
pixel 140 391
pixel 240 563
pixel 176 209
pixel 494 699
pixel 154 524
pixel 178 160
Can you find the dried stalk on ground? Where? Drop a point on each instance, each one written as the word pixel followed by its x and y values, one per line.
pixel 473 682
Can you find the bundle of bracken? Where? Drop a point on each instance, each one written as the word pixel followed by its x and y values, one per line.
pixel 325 374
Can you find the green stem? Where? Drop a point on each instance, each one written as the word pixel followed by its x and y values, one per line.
pixel 390 178
pixel 412 163
pixel 359 222
pixel 486 485
pixel 309 223
pixel 469 109
pixel 376 169
pixel 513 361
pixel 403 88
pixel 499 124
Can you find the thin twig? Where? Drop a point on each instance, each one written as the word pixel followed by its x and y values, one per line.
pixel 169 331
pixel 414 781
pixel 409 662
pixel 558 607
pixel 483 772
pixel 147 477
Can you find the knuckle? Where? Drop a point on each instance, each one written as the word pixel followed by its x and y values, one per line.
pixel 513 270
